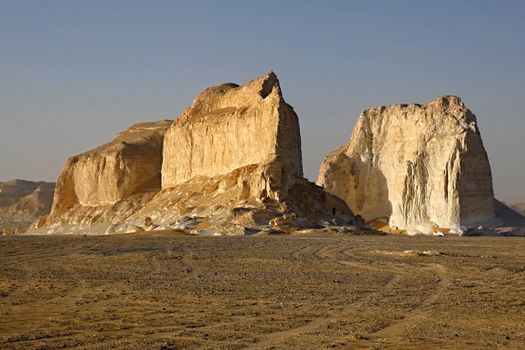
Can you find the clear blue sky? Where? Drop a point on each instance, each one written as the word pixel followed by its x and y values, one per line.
pixel 74 73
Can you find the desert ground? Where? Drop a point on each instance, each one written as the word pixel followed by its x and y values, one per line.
pixel 172 291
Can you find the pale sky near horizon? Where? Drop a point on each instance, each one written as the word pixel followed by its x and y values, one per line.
pixel 74 73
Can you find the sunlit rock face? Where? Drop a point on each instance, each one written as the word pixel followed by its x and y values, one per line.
pixel 230 164
pixel 418 166
pixel 233 160
pixel 230 127
pixel 129 165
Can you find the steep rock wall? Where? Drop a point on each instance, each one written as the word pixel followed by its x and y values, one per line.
pixel 229 127
pixel 417 166
pixel 130 164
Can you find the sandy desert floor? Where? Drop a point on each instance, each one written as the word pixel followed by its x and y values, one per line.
pixel 169 291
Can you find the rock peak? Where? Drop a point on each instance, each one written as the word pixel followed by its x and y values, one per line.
pixel 217 101
pixel 269 82
pixel 265 85
pixel 270 76
pixel 447 101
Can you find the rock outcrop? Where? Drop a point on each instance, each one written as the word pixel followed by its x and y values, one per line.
pixel 230 164
pixel 415 167
pixel 22 202
pixel 111 181
pixel 230 127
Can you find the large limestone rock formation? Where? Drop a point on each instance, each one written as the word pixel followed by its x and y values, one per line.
pixel 230 164
pixel 418 167
pixel 22 202
pixel 231 127
pixel 111 181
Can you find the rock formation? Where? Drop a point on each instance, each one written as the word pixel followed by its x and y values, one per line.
pixel 230 127
pixel 231 163
pixel 22 202
pixel 111 181
pixel 416 167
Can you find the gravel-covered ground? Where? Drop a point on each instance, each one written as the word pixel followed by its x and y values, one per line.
pixel 168 291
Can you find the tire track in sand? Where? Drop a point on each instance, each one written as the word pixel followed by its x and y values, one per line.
pixel 396 329
pixel 325 252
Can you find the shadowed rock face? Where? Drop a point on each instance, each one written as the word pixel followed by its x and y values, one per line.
pixel 22 202
pixel 509 217
pixel 230 164
pixel 418 166
pixel 519 207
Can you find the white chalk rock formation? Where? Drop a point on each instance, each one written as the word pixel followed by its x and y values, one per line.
pixel 230 127
pixel 230 164
pixel 420 167
pixel 233 161
pixel 111 181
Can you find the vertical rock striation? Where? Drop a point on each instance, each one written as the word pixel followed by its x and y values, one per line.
pixel 230 127
pixel 418 166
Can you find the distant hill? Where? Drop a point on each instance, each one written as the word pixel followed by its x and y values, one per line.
pixel 509 215
pixel 519 207
pixel 22 202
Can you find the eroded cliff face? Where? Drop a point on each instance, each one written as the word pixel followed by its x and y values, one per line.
pixel 229 127
pixel 230 164
pixel 93 182
pixel 419 167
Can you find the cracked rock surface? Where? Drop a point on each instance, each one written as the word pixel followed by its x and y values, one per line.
pixel 417 167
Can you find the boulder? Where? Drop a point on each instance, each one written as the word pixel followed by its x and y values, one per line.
pixel 417 167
